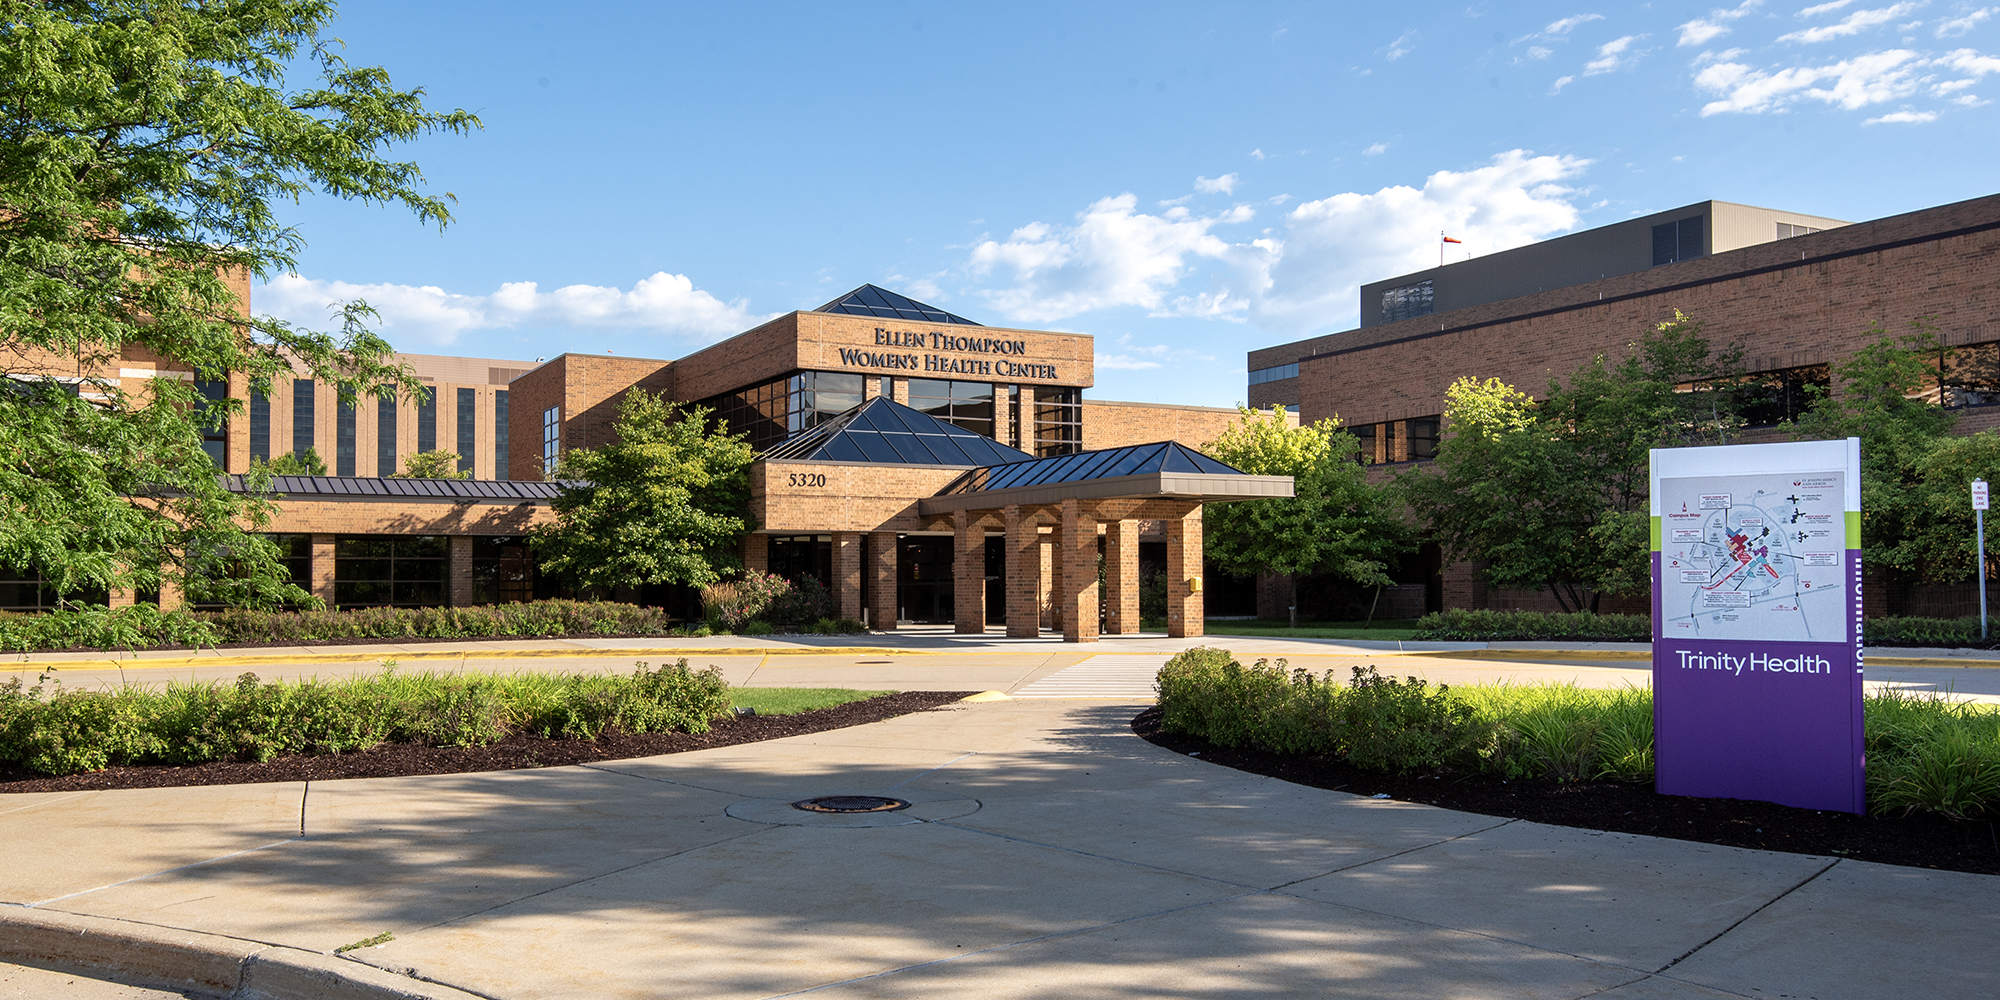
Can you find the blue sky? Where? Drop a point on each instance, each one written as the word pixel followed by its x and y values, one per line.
pixel 1184 182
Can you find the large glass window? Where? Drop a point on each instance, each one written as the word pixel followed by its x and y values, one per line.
pixel 1058 421
pixel 1675 241
pixel 1407 301
pixel 294 554
pixel 303 396
pixel 385 435
pixel 260 426
pixel 1970 376
pixel 30 592
pixel 373 571
pixel 1423 438
pixel 965 404
pixel 468 428
pixel 551 439
pixel 774 411
pixel 343 432
pixel 427 422
pixel 1780 397
pixel 503 570
pixel 797 556
pixel 499 434
pixel 214 430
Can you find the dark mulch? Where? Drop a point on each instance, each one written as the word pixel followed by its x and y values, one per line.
pixel 518 751
pixel 365 640
pixel 1923 841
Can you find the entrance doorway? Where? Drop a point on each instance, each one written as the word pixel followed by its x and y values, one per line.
pixel 924 588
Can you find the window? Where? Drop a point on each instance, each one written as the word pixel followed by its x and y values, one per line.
pixel 1970 376
pixel 499 434
pixel 1406 301
pixel 551 439
pixel 1423 438
pixel 427 422
pixel 797 556
pixel 964 404
pixel 343 432
pixel 468 428
pixel 1282 372
pixel 1674 241
pixel 29 592
pixel 294 554
pixel 214 429
pixel 1787 230
pixel 303 393
pixel 385 435
pixel 503 571
pixel 1779 397
pixel 773 412
pixel 1365 436
pixel 376 571
pixel 1389 442
pixel 1058 421
pixel 260 426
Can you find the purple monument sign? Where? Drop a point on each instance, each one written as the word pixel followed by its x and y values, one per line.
pixel 1757 623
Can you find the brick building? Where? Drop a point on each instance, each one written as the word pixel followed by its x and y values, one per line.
pixel 1800 294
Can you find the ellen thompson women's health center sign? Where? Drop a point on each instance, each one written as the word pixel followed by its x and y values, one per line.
pixel 1757 623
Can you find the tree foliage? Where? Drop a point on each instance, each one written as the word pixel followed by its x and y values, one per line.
pixel 432 465
pixel 1336 523
pixel 144 149
pixel 667 502
pixel 1552 494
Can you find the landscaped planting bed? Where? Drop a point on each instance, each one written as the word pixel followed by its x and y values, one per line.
pixel 1564 755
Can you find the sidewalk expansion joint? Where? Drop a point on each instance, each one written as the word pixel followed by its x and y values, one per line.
pixel 1100 857
pixel 940 767
pixel 1387 857
pixel 1802 883
pixel 663 781
pixel 164 871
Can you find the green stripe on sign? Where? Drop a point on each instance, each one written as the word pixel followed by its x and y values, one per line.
pixel 1853 529
pixel 1656 533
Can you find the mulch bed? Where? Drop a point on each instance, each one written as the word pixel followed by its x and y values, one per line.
pixel 392 760
pixel 665 639
pixel 1922 841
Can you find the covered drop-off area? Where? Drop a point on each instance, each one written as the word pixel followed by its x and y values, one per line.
pixel 908 518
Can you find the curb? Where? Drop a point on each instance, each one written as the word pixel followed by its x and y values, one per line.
pixel 1541 654
pixel 170 958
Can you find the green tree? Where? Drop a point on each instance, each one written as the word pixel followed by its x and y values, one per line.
pixel 1336 523
pixel 1552 494
pixel 304 463
pixel 1937 543
pixel 144 147
pixel 432 465
pixel 667 502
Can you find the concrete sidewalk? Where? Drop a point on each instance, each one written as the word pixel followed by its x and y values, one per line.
pixel 1049 853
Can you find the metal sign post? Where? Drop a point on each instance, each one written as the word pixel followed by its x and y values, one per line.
pixel 1979 500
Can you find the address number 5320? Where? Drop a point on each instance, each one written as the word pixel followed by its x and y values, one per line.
pixel 807 478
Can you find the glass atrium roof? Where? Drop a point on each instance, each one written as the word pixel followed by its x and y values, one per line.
pixel 1106 463
pixel 883 430
pixel 882 303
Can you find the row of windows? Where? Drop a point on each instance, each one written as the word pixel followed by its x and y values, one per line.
pixel 387 413
pixel 1680 240
pixel 1407 301
pixel 773 412
pixel 1050 424
pixel 1378 443
pixel 1279 373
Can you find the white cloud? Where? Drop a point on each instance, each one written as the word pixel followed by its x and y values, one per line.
pixel 1954 27
pixel 1403 45
pixel 1970 61
pixel 1568 24
pixel 1913 117
pixel 1702 30
pixel 1538 52
pixel 1852 24
pixel 1614 55
pixel 1112 256
pixel 1301 277
pixel 1257 154
pixel 1561 82
pixel 1376 149
pixel 1850 83
pixel 1823 8
pixel 426 315
pixel 1225 184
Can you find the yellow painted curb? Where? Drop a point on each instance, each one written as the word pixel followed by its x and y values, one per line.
pixel 985 696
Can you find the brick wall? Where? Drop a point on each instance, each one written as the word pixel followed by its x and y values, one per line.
pixel 836 496
pixel 1109 424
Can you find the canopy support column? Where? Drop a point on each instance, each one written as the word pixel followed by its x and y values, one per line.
pixel 1079 578
pixel 1121 577
pixel 968 570
pixel 1024 574
pixel 1184 601
pixel 882 596
pixel 847 573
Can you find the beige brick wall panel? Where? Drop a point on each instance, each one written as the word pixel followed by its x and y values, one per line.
pixel 1024 573
pixel 1121 577
pixel 882 597
pixel 757 553
pixel 1079 586
pixel 322 568
pixel 968 574
pixel 847 563
pixel 461 571
pixel 787 497
pixel 397 517
pixel 1109 424
pixel 1184 605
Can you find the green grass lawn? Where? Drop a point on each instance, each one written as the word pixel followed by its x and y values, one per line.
pixel 1279 628
pixel 790 701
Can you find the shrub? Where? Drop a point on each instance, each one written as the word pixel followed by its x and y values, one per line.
pixel 1461 625
pixel 806 600
pixel 532 619
pixel 136 626
pixel 732 604
pixel 1926 753
pixel 1947 632
pixel 836 626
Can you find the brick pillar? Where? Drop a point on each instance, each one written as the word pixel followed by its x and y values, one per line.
pixel 1184 602
pixel 1024 575
pixel 171 596
pixel 847 573
pixel 461 571
pixel 322 568
pixel 1003 416
pixel 120 598
pixel 756 551
pixel 1079 593
pixel 968 571
pixel 882 581
pixel 900 391
pixel 1052 568
pixel 1121 577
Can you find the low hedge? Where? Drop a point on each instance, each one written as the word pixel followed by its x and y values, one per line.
pixel 49 729
pixel 1924 753
pixel 1459 625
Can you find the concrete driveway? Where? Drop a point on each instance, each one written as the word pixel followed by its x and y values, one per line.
pixel 1048 853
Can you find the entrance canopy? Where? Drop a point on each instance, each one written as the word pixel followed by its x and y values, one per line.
pixel 1164 470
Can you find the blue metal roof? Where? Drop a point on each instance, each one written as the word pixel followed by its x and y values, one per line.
pixel 393 488
pixel 884 431
pixel 868 300
pixel 1104 463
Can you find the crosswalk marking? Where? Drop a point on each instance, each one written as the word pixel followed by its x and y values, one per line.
pixel 1123 676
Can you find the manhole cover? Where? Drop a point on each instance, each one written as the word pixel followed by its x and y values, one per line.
pixel 850 804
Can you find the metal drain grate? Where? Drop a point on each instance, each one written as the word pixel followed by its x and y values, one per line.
pixel 850 804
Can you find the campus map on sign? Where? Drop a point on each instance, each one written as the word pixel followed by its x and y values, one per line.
pixel 1753 557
